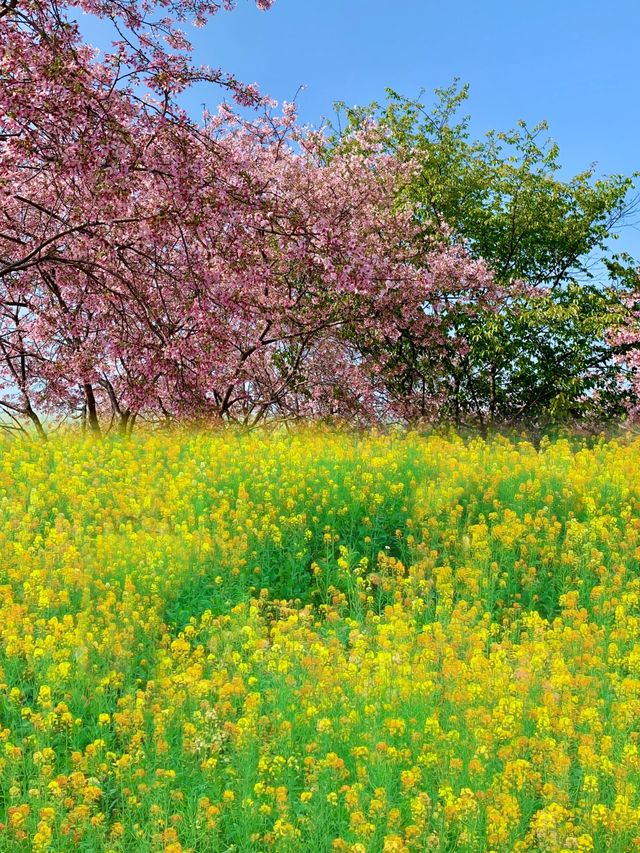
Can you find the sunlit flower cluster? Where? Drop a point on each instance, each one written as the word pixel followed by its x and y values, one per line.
pixel 316 641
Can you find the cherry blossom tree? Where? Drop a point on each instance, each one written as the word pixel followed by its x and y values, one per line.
pixel 624 337
pixel 154 266
pixel 94 153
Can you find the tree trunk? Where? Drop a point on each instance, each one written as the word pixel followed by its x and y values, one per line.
pixel 493 401
pixel 124 422
pixel 92 411
pixel 37 423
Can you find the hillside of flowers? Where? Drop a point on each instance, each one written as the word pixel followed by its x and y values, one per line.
pixel 319 641
pixel 239 266
pixel 319 506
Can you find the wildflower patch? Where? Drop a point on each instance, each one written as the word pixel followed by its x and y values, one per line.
pixel 317 641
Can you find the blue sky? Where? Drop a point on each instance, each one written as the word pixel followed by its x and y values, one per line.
pixel 572 63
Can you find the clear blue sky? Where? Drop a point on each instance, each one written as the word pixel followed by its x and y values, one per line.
pixel 572 63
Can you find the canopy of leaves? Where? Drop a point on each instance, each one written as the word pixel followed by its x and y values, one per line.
pixel 546 355
pixel 502 194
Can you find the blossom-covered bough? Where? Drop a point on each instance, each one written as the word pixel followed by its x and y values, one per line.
pixel 155 266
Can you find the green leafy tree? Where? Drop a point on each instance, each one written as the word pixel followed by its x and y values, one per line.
pixel 545 356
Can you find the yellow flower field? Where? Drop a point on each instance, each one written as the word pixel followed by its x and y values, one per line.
pixel 319 641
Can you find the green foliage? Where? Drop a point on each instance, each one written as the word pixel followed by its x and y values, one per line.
pixel 543 357
pixel 541 363
pixel 502 195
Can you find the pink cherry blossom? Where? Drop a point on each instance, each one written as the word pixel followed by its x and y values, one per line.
pixel 155 267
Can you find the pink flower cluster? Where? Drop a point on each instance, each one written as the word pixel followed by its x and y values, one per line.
pixel 153 266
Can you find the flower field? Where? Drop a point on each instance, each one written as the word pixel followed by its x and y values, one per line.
pixel 319 641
